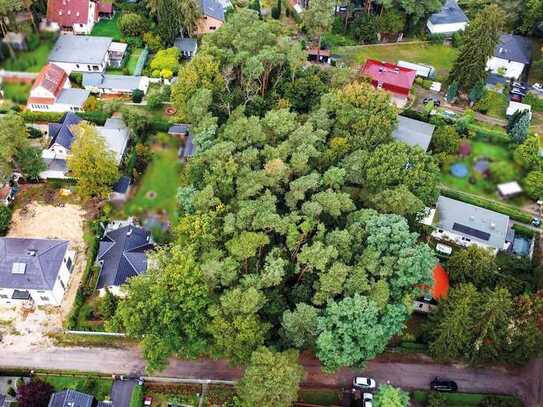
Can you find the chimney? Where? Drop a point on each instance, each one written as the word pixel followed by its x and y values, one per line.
pixel 129 232
pixel 492 225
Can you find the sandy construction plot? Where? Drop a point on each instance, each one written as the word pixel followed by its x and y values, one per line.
pixel 23 329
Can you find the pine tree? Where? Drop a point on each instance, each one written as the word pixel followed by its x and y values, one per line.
pixel 482 36
pixel 452 91
pixel 477 92
pixel 519 130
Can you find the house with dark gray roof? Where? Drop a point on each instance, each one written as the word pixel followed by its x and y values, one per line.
pixel 101 83
pixel 511 56
pixel 413 132
pixel 450 19
pixel 212 17
pixel 465 225
pixel 120 190
pixel 71 398
pixel 122 255
pixel 84 53
pixel 187 46
pixel 37 270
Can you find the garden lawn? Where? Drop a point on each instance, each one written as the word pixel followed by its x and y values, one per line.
pixel 108 28
pixel 496 104
pixel 130 64
pixel 17 92
pixel 30 61
pixel 481 186
pixel 441 57
pixel 463 399
pixel 161 177
pixel 98 387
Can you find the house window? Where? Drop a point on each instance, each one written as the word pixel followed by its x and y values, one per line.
pixel 44 298
pixel 62 284
pixel 69 264
pixel 77 65
pixel 95 67
pixel 89 67
pixel 212 28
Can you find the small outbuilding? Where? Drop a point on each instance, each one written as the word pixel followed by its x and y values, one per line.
pixel 120 190
pixel 187 46
pixel 509 189
pixel 413 132
pixel 450 19
pixel 16 41
pixel 516 107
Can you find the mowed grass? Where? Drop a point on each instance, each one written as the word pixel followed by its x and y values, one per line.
pixel 481 186
pixel 161 179
pixel 108 28
pixel 17 92
pixel 98 387
pixel 29 61
pixel 440 56
pixel 131 63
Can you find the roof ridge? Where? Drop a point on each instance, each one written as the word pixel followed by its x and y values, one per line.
pixel 39 255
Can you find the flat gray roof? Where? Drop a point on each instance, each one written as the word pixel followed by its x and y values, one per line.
pixel 414 132
pixel 73 96
pixel 114 82
pixel 478 224
pixel 80 49
pixel 450 13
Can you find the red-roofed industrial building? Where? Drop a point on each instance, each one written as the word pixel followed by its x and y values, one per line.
pixel 78 16
pixel 392 78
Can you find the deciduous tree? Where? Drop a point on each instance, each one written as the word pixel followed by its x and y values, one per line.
pixel 389 396
pixel 271 379
pixel 34 394
pixel 91 163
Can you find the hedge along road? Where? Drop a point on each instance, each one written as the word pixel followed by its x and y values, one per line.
pixel 526 383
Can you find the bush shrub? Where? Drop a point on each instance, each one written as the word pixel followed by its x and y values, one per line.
pixel 77 78
pixel 137 95
pixel 534 101
pixel 5 219
pixel 132 24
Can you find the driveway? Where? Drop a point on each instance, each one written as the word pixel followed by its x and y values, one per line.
pixel 526 383
pixel 121 392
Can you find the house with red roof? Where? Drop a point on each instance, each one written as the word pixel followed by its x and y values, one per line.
pixel 52 92
pixel 394 79
pixel 78 16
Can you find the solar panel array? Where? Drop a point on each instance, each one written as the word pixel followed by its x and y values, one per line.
pixel 479 234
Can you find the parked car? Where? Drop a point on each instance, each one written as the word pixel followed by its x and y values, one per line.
pixel 364 383
pixel 516 97
pixel 440 384
pixel 536 222
pixel 520 86
pixel 429 99
pixel 367 398
pixel 538 86
pixel 147 401
pixel 517 91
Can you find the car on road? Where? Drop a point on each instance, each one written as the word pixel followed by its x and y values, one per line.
pixel 367 398
pixel 536 222
pixel 515 97
pixel 445 385
pixel 520 86
pixel 429 99
pixel 538 87
pixel 364 382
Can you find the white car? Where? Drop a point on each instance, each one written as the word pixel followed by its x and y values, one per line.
pixel 364 383
pixel 368 399
pixel 537 86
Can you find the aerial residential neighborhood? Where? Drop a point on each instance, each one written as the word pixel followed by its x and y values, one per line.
pixel 273 203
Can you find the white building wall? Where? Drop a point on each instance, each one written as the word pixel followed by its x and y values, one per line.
pixel 447 235
pixel 55 107
pixel 513 70
pixel 71 67
pixel 445 28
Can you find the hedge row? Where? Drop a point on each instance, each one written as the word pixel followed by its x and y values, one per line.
pixel 96 117
pixel 494 136
pixel 466 399
pixel 513 213
pixel 523 230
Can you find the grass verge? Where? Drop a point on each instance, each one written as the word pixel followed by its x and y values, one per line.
pixel 465 399
pixel 99 387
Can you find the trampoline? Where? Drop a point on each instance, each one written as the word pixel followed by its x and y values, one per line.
pixel 459 170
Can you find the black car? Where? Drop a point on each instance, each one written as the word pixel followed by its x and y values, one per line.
pixel 429 99
pixel 444 385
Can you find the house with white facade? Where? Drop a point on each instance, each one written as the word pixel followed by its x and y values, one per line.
pixel 465 225
pixel 511 56
pixel 77 53
pixel 52 92
pixel 122 255
pixel 114 132
pixel 104 84
pixel 35 270
pixel 450 19
pixel 77 16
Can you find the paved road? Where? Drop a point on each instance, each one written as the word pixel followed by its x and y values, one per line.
pixel 527 383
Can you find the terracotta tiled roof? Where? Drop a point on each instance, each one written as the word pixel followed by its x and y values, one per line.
pixel 105 7
pixel 68 12
pixel 51 78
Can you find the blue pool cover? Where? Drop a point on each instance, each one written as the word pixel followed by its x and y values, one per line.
pixel 459 170
pixel 521 246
